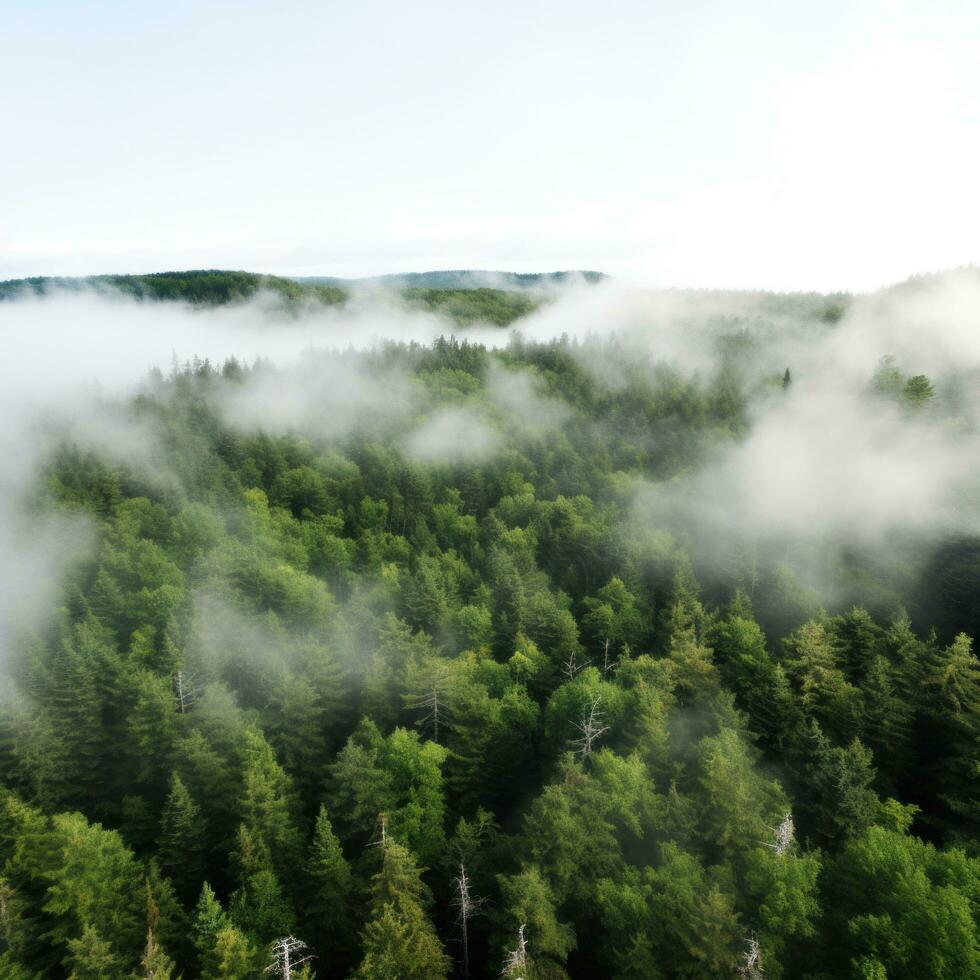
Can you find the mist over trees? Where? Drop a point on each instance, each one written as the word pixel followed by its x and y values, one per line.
pixel 634 640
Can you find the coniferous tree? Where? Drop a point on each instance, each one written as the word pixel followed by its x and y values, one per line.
pixel 208 921
pixel 269 838
pixel 399 940
pixel 156 965
pixel 838 781
pixel 327 909
pixel 92 957
pixel 181 845
pixel 952 719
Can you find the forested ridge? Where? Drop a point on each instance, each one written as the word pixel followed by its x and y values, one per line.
pixel 216 287
pixel 415 681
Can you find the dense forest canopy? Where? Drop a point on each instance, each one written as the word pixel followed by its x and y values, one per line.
pixel 462 632
pixel 464 304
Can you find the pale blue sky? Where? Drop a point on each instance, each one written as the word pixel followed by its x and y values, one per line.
pixel 795 145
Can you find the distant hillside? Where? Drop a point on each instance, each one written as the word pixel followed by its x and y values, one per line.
pixel 211 287
pixel 465 296
pixel 462 279
pixel 215 287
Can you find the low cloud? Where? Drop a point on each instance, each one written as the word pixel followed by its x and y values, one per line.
pixel 820 461
pixel 452 435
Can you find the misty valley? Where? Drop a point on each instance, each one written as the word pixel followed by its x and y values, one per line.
pixel 482 625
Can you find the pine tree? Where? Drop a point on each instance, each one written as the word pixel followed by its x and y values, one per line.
pixel 260 909
pixel 156 965
pixel 93 880
pixel 208 921
pixel 530 927
pixel 811 662
pixel 75 706
pixel 886 721
pixel 696 675
pixel 327 907
pixel 91 957
pixel 400 942
pixel 269 837
pixel 164 913
pixel 223 951
pixel 152 730
pixel 952 714
pixel 181 845
pixel 838 780
pixel 234 957
pixel 508 601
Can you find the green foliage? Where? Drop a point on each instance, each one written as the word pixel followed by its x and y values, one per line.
pixel 92 957
pixel 155 962
pixel 738 802
pixel 327 908
pixel 397 779
pixel 208 921
pixel 399 940
pixel 302 681
pixel 898 905
pixel 467 306
pixel 268 838
pixel 679 920
pixel 93 884
pixel 528 901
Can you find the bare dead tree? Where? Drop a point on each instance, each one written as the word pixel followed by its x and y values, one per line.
pixel 185 692
pixel 606 665
pixel 784 836
pixel 751 968
pixel 571 666
pixel 288 953
pixel 515 962
pixel 381 839
pixel 467 905
pixel 433 699
pixel 430 702
pixel 591 728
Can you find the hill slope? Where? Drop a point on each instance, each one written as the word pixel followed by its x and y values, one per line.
pixel 215 287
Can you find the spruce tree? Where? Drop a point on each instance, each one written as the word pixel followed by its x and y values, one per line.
pixel 400 942
pixel 327 908
pixel 209 920
pixel 181 845
pixel 268 811
pixel 92 957
pixel 156 965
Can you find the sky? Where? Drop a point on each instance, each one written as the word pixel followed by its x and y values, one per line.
pixel 708 144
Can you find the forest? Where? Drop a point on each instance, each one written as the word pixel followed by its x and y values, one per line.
pixel 580 634
pixel 208 287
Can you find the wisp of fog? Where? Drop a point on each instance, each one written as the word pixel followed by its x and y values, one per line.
pixel 822 459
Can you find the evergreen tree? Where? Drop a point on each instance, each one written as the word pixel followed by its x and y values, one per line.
pixel 269 838
pixel 181 845
pixel 528 902
pixel 840 801
pixel 399 940
pixel 156 965
pixel 952 730
pixel 327 909
pixel 234 957
pixel 92 958
pixel 208 921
